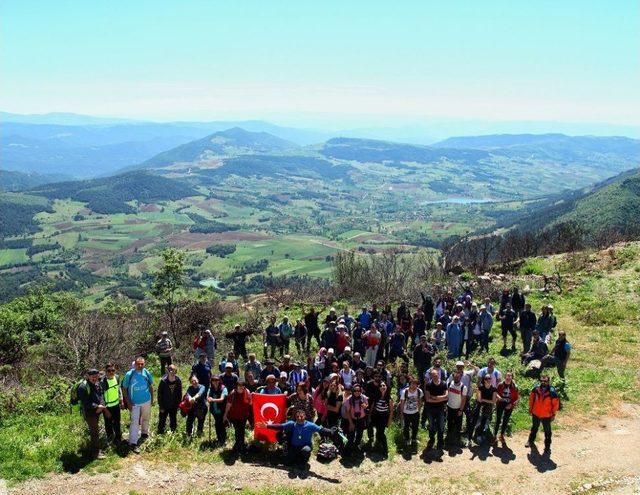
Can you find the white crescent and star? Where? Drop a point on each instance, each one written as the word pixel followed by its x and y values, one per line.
pixel 269 405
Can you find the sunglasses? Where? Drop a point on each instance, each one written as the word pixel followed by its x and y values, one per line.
pixel 111 371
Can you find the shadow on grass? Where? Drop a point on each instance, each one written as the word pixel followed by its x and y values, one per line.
pixel 73 462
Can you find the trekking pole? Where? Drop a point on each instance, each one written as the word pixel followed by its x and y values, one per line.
pixel 209 429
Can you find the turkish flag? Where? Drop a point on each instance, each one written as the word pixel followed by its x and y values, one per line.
pixel 269 409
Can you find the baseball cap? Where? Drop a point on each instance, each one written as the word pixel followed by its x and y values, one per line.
pixel 283 374
pixel 459 363
pixel 228 365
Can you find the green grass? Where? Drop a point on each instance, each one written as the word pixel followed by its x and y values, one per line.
pixel 12 256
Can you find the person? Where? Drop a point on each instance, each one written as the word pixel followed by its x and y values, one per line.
pixel 381 416
pixel 164 348
pixel 300 334
pixel 169 397
pixel 231 358
pixel 91 398
pixel 493 372
pixel 507 400
pixel 559 355
pixel 437 365
pixel 283 383
pixel 505 299
pixel 543 406
pixel 410 406
pixel 347 375
pixel 137 391
pixel 110 385
pixel 419 326
pixel 297 375
pixel 517 301
pixel 253 365
pixel 423 352
pixel 272 337
pixel 299 434
pixel 270 386
pixel 428 308
pixel 345 356
pixel 438 336
pixel 489 306
pixel 334 404
pixel 342 338
pixel 302 400
pixel 397 343
pixel 195 394
pixel 329 336
pixel 358 338
pixel 269 369
pixel 508 320
pixel 357 405
pixel 486 398
pixel 205 344
pixel 237 411
pixel 537 351
pixel 228 378
pixel 347 319
pixel 456 403
pixel 286 332
pixel 200 343
pixel 527 326
pixel 332 316
pixel 467 378
pixel 372 341
pixel 485 319
pixel 320 400
pixel 201 370
pixel 217 398
pixel 239 339
pixel 365 318
pixel 454 337
pixel 544 325
pixel 436 396
pixel 311 322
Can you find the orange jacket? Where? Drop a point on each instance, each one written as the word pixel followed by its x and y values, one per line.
pixel 543 403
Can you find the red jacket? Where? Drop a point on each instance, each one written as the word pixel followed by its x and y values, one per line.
pixel 514 392
pixel 543 403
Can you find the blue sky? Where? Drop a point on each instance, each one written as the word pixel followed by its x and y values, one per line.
pixel 305 61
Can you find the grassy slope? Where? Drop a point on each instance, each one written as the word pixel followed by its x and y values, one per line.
pixel 599 314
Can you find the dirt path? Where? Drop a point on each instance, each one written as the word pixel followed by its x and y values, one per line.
pixel 605 458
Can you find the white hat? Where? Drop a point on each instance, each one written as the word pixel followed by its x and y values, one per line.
pixel 228 365
pixel 459 363
pixel 332 310
pixel 347 348
pixel 283 374
pixel 330 349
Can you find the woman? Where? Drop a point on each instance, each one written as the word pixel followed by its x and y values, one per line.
pixel 217 398
pixel 471 323
pixel 313 373
pixel 347 375
pixel 381 416
pixel 196 396
pixel 334 404
pixel 169 397
pixel 237 412
pixel 507 400
pixel 372 339
pixel 320 361
pixel 301 400
pixel 250 382
pixel 320 401
pixel 486 397
pixel 357 415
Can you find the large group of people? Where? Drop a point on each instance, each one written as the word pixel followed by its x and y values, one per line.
pixel 368 371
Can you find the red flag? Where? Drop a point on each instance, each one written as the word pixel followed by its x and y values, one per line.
pixel 269 409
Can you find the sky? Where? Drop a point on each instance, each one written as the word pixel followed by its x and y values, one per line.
pixel 304 62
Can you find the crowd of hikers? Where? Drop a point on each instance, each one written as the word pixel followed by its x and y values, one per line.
pixel 368 371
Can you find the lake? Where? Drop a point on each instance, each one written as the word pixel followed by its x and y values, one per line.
pixel 459 201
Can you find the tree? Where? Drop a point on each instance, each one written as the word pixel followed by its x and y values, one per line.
pixel 169 285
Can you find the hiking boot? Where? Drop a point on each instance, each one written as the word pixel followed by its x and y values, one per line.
pixel 135 449
pixel 100 455
pixel 430 444
pixel 144 436
pixel 494 442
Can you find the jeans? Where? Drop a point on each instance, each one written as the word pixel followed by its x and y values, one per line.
pixel 172 414
pixel 370 356
pixel 436 423
pixel 112 424
pixel 454 425
pixel 546 426
pixel 195 414
pixel 221 429
pixel 379 421
pixel 140 416
pixel 486 411
pixel 354 435
pixel 411 422
pixel 502 417
pixel 297 455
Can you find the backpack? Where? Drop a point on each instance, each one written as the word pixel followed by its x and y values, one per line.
pixel 327 452
pixel 74 400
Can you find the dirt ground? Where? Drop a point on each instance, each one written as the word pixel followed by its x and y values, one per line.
pixel 600 458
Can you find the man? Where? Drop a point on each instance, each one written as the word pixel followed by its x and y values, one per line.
pixel 467 378
pixel 272 337
pixel 492 371
pixel 270 388
pixel 419 326
pixel 253 365
pixel 489 307
pixel 507 400
pixel 428 308
pixel 397 342
pixel 453 337
pixel 422 355
pixel 332 316
pixel 283 383
pixel 544 324
pixel 485 319
pixel 298 434
pixel 229 378
pixel 538 349
pixel 456 403
pixel 365 318
pixel 348 319
pixel 169 397
pixel 543 406
pixel 239 339
pixel 329 336
pixel 411 400
pixel 345 356
pixel 436 396
pixel 114 402
pixel 91 397
pixel 311 322
pixel 517 301
pixel 202 371
pixel 300 335
pixel 559 355
pixel 297 375
pixel 358 363
pixel 508 320
pixel 137 390
pixel 164 348
pixel 527 326
pixel 231 358
pixel 437 367
pixel 269 369
pixel 286 332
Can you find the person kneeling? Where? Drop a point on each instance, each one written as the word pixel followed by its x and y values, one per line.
pixel 299 435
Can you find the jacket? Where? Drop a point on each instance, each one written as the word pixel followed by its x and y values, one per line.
pixel 90 397
pixel 166 399
pixel 543 403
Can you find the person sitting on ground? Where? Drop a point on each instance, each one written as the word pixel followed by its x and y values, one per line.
pixel 298 434
pixel 91 398
pixel 537 351
pixel 169 397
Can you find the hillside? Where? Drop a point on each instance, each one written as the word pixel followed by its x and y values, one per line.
pixel 18 181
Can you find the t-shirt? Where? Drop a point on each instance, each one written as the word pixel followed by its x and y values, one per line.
pixel 217 408
pixel 412 401
pixel 487 393
pixel 435 390
pixel 347 377
pixel 508 392
pixel 496 376
pixel 456 393
pixel 382 405
pixel 301 434
pixel 137 385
